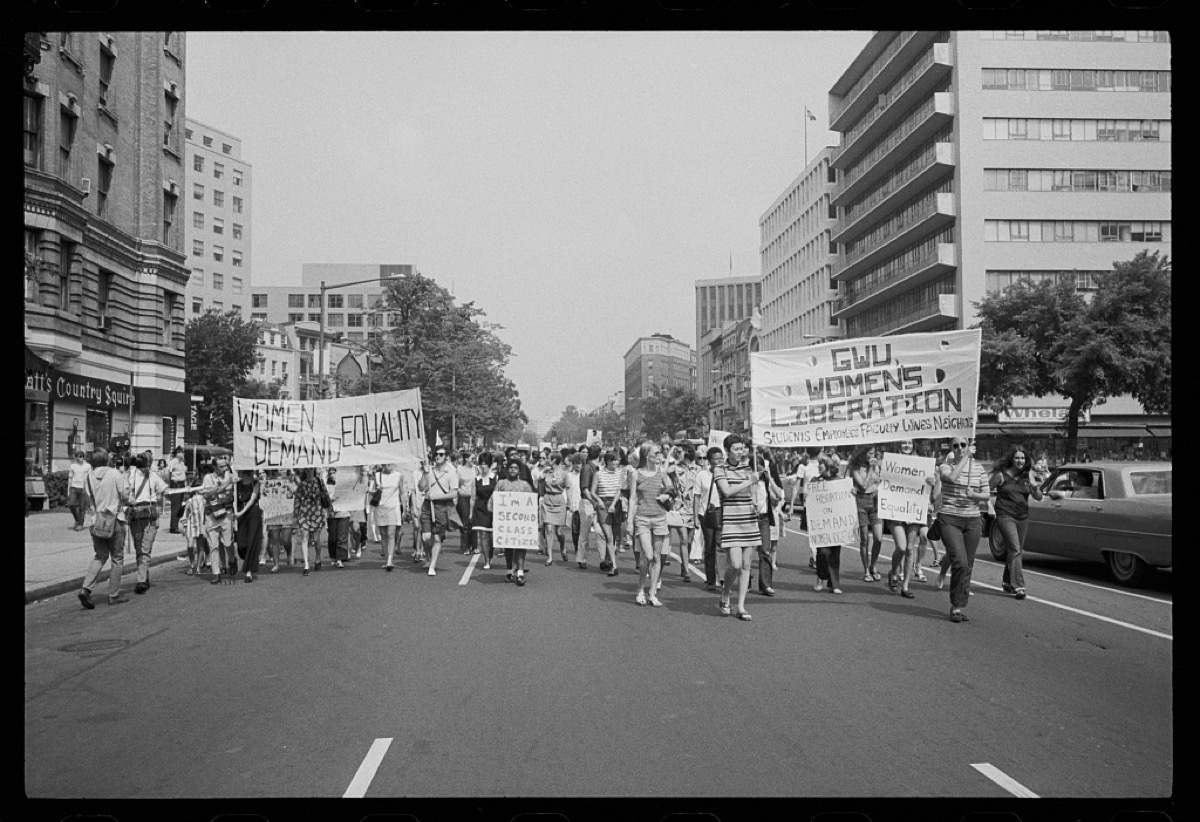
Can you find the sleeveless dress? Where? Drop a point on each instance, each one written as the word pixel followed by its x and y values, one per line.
pixel 249 526
pixel 739 525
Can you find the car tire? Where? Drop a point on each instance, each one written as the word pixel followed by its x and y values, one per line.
pixel 1128 569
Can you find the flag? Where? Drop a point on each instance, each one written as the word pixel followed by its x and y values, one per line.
pixel 437 439
pixel 811 116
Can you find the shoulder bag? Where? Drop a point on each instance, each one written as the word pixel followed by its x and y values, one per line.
pixel 138 511
pixel 713 517
pixel 377 494
pixel 105 523
pixel 218 507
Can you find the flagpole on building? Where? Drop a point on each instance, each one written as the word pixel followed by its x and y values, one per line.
pixel 805 118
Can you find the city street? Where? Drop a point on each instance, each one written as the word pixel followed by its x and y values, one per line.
pixel 359 683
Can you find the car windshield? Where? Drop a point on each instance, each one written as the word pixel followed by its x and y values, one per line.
pixel 1150 482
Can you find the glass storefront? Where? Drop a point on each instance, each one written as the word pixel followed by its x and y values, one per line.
pixel 37 439
pixel 99 427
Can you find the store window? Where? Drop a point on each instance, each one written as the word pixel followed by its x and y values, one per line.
pixel 99 427
pixel 37 426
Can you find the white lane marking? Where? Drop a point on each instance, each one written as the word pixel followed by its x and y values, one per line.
pixel 366 771
pixel 470 567
pixel 1004 780
pixel 1078 611
pixel 993 561
pixel 689 565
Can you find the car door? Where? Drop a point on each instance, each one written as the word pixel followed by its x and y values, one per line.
pixel 1080 514
pixel 1044 526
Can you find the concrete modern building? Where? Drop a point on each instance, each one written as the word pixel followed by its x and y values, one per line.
pixel 105 267
pixel 798 290
pixel 652 364
pixel 970 159
pixel 217 220
pixel 352 312
pixel 719 302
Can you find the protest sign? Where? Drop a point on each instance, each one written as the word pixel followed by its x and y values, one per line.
pixel 593 437
pixel 873 389
pixel 903 491
pixel 369 430
pixel 277 500
pixel 515 520
pixel 832 513
pixel 716 439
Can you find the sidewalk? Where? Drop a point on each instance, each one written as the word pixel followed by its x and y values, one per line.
pixel 57 557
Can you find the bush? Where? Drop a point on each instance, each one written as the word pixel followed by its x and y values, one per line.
pixel 56 488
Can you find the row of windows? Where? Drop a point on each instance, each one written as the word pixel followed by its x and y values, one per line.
pixel 335 300
pixel 901 310
pixel 218 225
pixel 218 170
pixel 1077 231
pixel 1112 131
pixel 916 210
pixel 1076 80
pixel 217 305
pixel 1082 280
pixel 1045 179
pixel 877 151
pixel 218 281
pixel 218 253
pixel 893 93
pixel 901 265
pixel 909 167
pixel 208 141
pixel 1114 36
pixel 803 193
pixel 723 303
pixel 218 198
pixel 804 228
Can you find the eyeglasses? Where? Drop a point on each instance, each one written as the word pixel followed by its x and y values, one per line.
pixel 439 453
pixel 960 445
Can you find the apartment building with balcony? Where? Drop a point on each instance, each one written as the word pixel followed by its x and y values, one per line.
pixel 798 260
pixel 105 271
pixel 969 160
pixel 217 222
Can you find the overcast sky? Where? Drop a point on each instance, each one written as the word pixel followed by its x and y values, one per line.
pixel 573 184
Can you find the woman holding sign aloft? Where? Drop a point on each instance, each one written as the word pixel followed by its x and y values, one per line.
pixel 829 557
pixel 514 558
pixel 906 535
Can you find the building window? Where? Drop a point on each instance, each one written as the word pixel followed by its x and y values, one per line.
pixel 295 301
pixel 237 285
pixel 218 226
pixel 170 300
pixel 170 111
pixel 237 177
pixel 197 219
pixel 67 122
pixel 258 300
pixel 237 259
pixel 169 203
pixel 218 171
pixel 187 133
pixel 225 147
pixel 66 259
pixel 237 205
pixel 197 248
pixel 103 292
pixel 314 300
pixel 295 318
pixel 315 318
pixel 33 131
pixel 237 231
pixel 218 254
pixel 197 278
pixel 258 317
pixel 335 320
pixel 107 59
pixel 218 305
pixel 354 320
pixel 197 163
pixel 197 191
pixel 354 300
pixel 197 305
pixel 104 175
pixel 206 140
pixel 218 198
pixel 218 281
pixel 336 300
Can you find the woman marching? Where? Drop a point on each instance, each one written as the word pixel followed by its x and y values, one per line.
pixel 481 516
pixel 514 558
pixel 829 557
pixel 607 488
pixel 740 534
pixel 649 502
pixel 1014 485
pixel 553 487
pixel 963 488
pixel 864 470
pixel 309 505
pixel 248 517
pixel 906 536
pixel 388 512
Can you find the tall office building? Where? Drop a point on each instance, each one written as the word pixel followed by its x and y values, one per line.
pixel 217 220
pixel 720 303
pixel 652 364
pixel 105 271
pixel 353 312
pixel 798 290
pixel 971 159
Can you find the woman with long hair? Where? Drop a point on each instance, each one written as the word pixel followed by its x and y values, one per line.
pixel 648 504
pixel 309 513
pixel 770 520
pixel 740 533
pixel 1014 483
pixel 829 557
pixel 864 470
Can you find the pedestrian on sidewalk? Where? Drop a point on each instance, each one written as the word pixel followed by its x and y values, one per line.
pixel 145 489
pixel 106 490
pixel 176 478
pixel 76 493
pixel 248 516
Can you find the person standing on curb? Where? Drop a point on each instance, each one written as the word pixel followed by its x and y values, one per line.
pixel 176 478
pixel 76 493
pixel 144 488
pixel 108 496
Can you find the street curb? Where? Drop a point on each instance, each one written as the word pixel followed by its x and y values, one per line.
pixel 54 589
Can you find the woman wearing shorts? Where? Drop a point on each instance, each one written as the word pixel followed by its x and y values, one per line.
pixel 649 500
pixel 740 534
pixel 387 512
pixel 864 470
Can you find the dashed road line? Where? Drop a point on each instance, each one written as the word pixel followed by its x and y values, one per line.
pixel 366 771
pixel 689 565
pixel 1004 780
pixel 470 567
pixel 1080 612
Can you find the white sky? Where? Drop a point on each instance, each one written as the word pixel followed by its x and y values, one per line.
pixel 572 184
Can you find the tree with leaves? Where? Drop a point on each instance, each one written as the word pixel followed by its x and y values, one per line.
pixel 673 409
pixel 220 352
pixel 1046 338
pixel 451 353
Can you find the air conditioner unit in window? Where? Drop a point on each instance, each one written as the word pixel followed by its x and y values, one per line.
pixel 104 323
pixel 85 185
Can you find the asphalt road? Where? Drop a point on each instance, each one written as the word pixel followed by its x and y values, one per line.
pixel 567 688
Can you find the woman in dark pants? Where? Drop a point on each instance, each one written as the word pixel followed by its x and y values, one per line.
pixel 710 528
pixel 1013 484
pixel 963 487
pixel 249 522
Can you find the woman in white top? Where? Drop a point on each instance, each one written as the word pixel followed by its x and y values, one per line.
pixel 145 489
pixel 76 490
pixel 388 511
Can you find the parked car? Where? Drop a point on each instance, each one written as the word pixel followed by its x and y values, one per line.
pixel 1113 512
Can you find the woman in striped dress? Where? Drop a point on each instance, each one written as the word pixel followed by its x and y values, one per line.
pixel 740 535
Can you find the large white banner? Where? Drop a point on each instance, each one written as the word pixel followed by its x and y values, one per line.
pixel 832 513
pixel 903 490
pixel 369 430
pixel 873 389
pixel 515 519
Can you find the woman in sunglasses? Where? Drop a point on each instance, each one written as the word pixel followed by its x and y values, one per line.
pixel 964 486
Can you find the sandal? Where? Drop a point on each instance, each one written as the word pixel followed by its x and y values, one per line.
pixel 875 576
pixel 723 607
pixel 640 599
pixel 921 577
pixel 907 594
pixel 891 582
pixel 867 578
pixel 744 616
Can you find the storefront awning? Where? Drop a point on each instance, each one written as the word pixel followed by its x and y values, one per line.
pixel 35 363
pixel 1163 431
pixel 1117 431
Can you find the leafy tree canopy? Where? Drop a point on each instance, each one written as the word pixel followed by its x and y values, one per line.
pixel 671 410
pixel 221 351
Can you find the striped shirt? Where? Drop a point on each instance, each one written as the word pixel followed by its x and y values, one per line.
pixel 954 492
pixel 608 483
